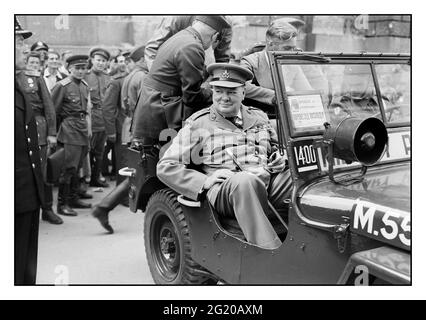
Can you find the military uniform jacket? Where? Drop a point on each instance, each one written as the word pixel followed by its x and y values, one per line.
pixel 98 82
pixel 113 114
pixel 203 142
pixel 132 87
pixel 172 89
pixel 40 101
pixel 28 175
pixel 169 26
pixel 70 100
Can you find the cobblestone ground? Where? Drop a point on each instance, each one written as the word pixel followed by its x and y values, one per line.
pixel 79 251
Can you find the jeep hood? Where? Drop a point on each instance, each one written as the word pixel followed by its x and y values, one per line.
pixel 379 207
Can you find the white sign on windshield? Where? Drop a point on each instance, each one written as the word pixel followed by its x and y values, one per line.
pixel 307 111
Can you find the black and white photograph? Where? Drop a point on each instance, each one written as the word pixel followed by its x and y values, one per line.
pixel 212 150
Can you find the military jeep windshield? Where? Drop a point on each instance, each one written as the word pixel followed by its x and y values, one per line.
pixel 319 93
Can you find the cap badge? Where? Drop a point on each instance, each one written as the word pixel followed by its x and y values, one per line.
pixel 225 74
pixel 30 81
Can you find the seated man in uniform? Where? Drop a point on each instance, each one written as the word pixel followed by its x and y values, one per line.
pixel 235 148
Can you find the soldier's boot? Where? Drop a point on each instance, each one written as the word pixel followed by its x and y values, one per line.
pixel 63 200
pixel 74 199
pixel 82 190
pixel 102 209
pixel 47 213
pixel 95 181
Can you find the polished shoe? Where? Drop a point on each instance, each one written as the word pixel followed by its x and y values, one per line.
pixel 49 216
pixel 102 216
pixel 65 210
pixel 98 183
pixel 77 203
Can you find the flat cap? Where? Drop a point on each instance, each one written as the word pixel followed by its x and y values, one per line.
pixel 39 45
pixel 77 59
pixel 137 53
pixel 19 30
pixel 228 75
pixel 216 22
pixel 100 51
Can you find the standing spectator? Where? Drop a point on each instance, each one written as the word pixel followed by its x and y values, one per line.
pixel 131 89
pixel 64 56
pixel 41 103
pixel 28 175
pixel 51 73
pixel 33 61
pixel 171 25
pixel 42 48
pixel 70 98
pixel 98 79
pixel 113 115
pixel 172 89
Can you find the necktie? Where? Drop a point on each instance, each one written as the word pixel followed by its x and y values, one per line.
pixel 236 121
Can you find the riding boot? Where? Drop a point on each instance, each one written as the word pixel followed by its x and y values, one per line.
pixel 95 181
pixel 47 213
pixel 75 201
pixel 102 209
pixel 63 200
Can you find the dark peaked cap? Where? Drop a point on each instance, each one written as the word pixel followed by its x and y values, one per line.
pixel 137 53
pixel 78 59
pixel 216 22
pixel 18 30
pixel 100 51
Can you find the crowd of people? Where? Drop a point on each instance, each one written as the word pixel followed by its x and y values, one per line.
pixel 84 106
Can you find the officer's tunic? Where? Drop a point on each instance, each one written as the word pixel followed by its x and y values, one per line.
pixel 28 189
pixel 70 100
pixel 203 142
pixel 98 82
pixel 172 89
pixel 41 103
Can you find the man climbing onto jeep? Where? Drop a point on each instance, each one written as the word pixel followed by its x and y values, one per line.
pixel 241 171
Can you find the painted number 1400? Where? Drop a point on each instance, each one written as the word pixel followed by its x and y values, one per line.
pixel 305 155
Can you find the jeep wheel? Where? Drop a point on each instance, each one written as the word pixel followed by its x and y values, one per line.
pixel 168 243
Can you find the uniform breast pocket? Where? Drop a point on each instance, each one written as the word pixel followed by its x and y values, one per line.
pixel 73 98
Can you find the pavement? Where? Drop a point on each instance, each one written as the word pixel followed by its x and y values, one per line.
pixel 81 252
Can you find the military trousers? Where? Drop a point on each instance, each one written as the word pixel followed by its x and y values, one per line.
pixel 245 197
pixel 97 147
pixel 26 247
pixel 48 190
pixel 74 156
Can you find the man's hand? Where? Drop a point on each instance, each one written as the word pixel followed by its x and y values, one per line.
pixel 136 144
pixel 112 138
pixel 276 162
pixel 218 176
pixel 51 141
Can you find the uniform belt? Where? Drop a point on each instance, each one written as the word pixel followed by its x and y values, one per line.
pixel 162 87
pixel 80 115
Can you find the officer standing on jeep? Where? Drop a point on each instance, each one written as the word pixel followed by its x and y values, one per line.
pixel 70 98
pixel 172 90
pixel 235 148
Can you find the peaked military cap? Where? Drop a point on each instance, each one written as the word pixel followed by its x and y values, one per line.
pixel 19 30
pixel 137 53
pixel 39 45
pixel 100 51
pixel 228 75
pixel 78 59
pixel 216 22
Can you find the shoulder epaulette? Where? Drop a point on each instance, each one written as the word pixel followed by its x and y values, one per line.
pixel 84 82
pixel 32 73
pixel 199 113
pixel 65 81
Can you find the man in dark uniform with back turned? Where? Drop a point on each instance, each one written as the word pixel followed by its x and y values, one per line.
pixel 172 89
pixel 98 79
pixel 28 175
pixel 44 112
pixel 70 100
